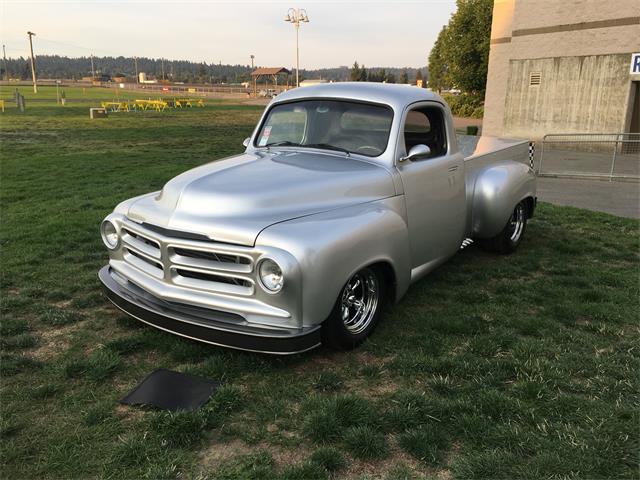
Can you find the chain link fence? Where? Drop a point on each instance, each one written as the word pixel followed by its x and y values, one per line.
pixel 590 155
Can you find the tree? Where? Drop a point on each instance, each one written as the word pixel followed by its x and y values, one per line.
pixel 375 76
pixel 404 77
pixel 460 55
pixel 390 78
pixel 438 66
pixel 363 74
pixel 355 72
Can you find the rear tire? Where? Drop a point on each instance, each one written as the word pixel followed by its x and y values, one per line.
pixel 356 311
pixel 511 235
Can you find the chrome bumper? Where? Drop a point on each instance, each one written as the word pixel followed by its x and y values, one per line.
pixel 205 325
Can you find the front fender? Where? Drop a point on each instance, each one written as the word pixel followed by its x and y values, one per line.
pixel 497 190
pixel 329 247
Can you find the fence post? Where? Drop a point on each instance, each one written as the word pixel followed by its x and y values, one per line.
pixel 613 160
pixel 541 155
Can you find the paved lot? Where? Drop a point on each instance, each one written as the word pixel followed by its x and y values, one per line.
pixel 618 198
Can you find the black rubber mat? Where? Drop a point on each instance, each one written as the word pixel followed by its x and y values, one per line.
pixel 172 391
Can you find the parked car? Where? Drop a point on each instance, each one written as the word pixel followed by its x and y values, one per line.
pixel 268 93
pixel 346 194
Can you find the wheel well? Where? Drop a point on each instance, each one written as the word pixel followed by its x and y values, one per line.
pixel 531 205
pixel 389 277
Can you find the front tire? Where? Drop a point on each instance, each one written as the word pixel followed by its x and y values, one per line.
pixel 357 310
pixel 511 235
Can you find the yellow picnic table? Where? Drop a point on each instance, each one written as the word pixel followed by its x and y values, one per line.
pixel 116 106
pixel 188 102
pixel 158 105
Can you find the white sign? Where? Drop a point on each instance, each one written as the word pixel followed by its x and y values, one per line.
pixel 635 64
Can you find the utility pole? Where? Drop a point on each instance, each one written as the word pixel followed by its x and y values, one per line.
pixel 93 70
pixel 252 57
pixel 135 61
pixel 33 63
pixel 4 56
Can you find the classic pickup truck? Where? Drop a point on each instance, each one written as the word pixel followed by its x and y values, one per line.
pixel 345 195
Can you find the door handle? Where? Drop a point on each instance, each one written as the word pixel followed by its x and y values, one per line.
pixel 453 169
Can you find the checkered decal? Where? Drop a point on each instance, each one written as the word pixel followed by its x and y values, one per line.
pixel 532 149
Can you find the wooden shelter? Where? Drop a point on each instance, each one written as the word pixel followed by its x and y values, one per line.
pixel 273 72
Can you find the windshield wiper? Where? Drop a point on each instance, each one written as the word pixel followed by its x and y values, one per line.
pixel 327 146
pixel 285 143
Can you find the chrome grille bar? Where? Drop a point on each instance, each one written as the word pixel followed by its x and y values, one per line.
pixel 194 264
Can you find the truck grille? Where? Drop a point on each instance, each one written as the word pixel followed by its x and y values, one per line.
pixel 193 264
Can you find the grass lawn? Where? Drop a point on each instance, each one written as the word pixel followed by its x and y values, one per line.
pixel 523 366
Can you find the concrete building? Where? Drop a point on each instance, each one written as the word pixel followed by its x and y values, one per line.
pixel 563 66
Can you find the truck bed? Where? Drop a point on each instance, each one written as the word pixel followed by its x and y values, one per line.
pixel 497 148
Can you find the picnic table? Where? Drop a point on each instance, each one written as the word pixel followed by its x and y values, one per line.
pixel 158 105
pixel 188 102
pixel 116 106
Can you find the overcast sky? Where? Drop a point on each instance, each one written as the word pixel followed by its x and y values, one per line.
pixel 376 33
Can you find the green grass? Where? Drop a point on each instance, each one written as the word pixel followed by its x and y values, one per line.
pixel 523 366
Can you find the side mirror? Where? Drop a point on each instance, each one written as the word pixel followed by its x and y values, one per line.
pixel 245 142
pixel 417 152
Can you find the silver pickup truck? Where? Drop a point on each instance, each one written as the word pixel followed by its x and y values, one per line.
pixel 346 194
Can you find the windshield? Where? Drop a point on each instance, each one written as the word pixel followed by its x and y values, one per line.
pixel 328 124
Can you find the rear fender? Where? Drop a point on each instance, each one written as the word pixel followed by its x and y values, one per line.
pixel 497 190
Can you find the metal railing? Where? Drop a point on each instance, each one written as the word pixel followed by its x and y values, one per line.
pixel 590 155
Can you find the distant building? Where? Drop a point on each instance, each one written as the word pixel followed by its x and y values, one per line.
pixel 312 81
pixel 563 67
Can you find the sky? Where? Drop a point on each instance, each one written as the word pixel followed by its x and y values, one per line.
pixel 375 33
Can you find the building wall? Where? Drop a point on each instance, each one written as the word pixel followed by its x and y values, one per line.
pixel 586 94
pixel 581 45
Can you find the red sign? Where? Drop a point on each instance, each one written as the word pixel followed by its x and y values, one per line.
pixel 165 89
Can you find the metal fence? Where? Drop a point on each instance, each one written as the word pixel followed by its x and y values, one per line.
pixel 589 155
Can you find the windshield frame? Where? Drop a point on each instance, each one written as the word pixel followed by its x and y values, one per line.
pixel 264 118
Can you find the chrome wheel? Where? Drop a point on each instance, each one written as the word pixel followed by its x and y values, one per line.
pixel 516 223
pixel 359 301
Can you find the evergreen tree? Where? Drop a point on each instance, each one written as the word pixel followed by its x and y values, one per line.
pixel 363 74
pixel 355 72
pixel 404 77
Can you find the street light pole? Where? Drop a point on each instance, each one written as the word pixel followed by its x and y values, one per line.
pixel 252 57
pixel 295 16
pixel 33 63
pixel 4 56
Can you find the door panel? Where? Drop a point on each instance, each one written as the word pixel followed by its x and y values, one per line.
pixel 434 187
pixel 436 205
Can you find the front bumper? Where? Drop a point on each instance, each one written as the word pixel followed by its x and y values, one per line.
pixel 205 325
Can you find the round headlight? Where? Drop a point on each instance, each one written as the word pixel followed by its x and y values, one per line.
pixel 271 276
pixel 109 234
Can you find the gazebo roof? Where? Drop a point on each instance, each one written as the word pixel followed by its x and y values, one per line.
pixel 269 71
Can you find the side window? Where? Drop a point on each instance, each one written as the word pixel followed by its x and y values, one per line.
pixel 426 126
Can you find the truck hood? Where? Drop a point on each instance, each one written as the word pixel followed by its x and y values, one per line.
pixel 232 200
